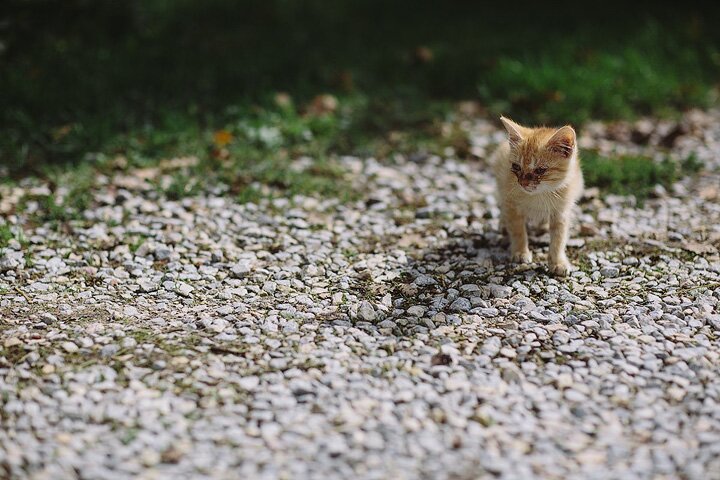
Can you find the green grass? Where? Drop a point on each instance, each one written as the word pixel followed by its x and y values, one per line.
pixel 85 83
pixel 6 235
pixel 121 76
pixel 576 82
pixel 633 175
pixel 253 155
pixel 75 198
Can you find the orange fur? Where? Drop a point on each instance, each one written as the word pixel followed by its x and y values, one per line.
pixel 542 186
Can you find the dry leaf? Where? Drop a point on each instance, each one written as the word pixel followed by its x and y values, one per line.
pixel 322 104
pixel 345 80
pixel 146 173
pixel 699 248
pixel 588 230
pixel 709 193
pixel 411 239
pixel 423 54
pixel 61 132
pixel 441 359
pixel 283 100
pixel 120 162
pixel 469 108
pixel 179 162
pixel 408 289
pixel 222 138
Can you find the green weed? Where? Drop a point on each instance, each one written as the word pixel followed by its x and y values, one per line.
pixel 128 78
pixel 6 234
pixel 633 175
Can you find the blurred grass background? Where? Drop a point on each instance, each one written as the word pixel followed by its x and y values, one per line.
pixel 85 81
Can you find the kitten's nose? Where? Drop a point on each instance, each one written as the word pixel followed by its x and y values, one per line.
pixel 526 179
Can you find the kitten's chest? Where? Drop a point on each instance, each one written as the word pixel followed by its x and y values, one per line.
pixel 539 208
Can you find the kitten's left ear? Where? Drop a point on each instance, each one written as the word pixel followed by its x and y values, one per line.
pixel 515 132
pixel 562 142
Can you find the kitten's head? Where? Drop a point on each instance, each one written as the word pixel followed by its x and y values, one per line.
pixel 540 158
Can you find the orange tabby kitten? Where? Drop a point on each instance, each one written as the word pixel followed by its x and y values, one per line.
pixel 538 180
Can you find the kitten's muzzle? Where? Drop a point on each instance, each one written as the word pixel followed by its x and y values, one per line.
pixel 528 181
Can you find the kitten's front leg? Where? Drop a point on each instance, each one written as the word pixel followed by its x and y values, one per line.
pixel 515 224
pixel 557 259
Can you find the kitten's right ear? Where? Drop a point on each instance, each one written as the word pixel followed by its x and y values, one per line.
pixel 515 131
pixel 562 142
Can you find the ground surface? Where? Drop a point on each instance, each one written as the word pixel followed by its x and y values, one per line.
pixel 383 338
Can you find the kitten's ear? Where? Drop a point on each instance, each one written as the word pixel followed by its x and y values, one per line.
pixel 515 132
pixel 562 142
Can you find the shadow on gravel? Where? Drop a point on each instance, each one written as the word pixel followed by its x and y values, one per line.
pixel 464 275
pixel 475 258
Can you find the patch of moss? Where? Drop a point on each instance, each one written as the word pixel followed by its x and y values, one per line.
pixel 633 175
pixel 6 235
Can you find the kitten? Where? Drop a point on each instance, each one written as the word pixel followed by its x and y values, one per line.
pixel 538 180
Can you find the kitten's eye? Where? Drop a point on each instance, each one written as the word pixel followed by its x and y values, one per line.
pixel 515 167
pixel 540 170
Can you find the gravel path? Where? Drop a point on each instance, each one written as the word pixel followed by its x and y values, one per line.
pixel 385 338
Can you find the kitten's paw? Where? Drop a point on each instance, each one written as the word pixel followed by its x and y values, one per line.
pixel 560 267
pixel 521 257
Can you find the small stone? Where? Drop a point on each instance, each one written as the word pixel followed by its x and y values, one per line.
pixel 109 350
pixel 564 380
pixel 574 395
pixel 387 324
pixel 676 393
pixel 147 286
pixel 301 387
pixel 150 458
pixel 456 382
pixel 508 352
pixel 337 446
pixel 461 304
pixel 70 347
pixel 249 383
pixel 500 291
pixel 162 253
pixel 610 272
pixel 424 281
pixel 561 337
pixel 12 342
pixel 491 347
pixel 183 289
pixel 10 260
pixel 659 191
pixel 179 361
pixel 366 312
pixel 511 373
pixel 48 318
pixel 241 269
